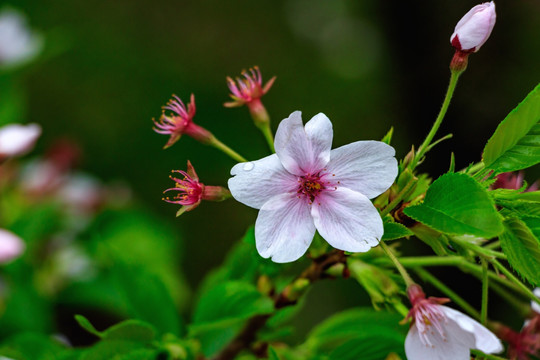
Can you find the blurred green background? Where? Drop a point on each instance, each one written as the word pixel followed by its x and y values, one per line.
pixel 109 66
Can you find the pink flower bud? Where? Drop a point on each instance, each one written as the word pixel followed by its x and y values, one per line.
pixel 18 139
pixel 474 28
pixel 11 246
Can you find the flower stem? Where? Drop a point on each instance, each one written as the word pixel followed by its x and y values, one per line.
pixel 399 267
pixel 267 132
pixel 426 276
pixel 515 280
pixel 485 287
pixel 465 266
pixel 425 145
pixel 227 150
pixel 399 197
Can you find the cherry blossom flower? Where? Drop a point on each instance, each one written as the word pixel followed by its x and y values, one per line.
pixel 306 187
pixel 190 192
pixel 11 246
pixel 180 122
pixel 248 90
pixel 473 30
pixel 16 139
pixel 440 333
pixel 17 42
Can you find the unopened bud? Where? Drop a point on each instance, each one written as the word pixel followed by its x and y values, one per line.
pixel 474 28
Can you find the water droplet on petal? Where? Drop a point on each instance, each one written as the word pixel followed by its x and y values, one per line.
pixel 248 166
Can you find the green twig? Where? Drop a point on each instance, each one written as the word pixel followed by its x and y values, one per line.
pixel 267 132
pixel 425 145
pixel 485 287
pixel 227 150
pixel 399 197
pixel 400 268
pixel 463 264
pixel 515 280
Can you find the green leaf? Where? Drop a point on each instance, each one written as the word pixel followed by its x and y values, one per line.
pixel 112 349
pixel 388 137
pixel 141 354
pixel 138 238
pixel 393 231
pixel 87 325
pixel 31 346
pixel 272 354
pixel 522 247
pixel 369 346
pixel 456 204
pixel 532 223
pixel 355 324
pixel 147 298
pixel 25 309
pixel 378 283
pixel 521 207
pixel 515 145
pixel 222 311
pixel 243 263
pixel 127 340
pixel 133 330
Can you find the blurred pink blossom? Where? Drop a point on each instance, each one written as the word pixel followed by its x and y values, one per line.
pixel 16 139
pixel 11 246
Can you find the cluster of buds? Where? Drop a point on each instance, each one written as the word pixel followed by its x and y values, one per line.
pixel 177 119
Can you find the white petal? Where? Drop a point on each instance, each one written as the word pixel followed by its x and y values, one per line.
pixel 256 182
pixel 17 139
pixel 485 340
pixel 284 228
pixel 303 151
pixel 440 348
pixel 347 220
pixel 534 304
pixel 11 246
pixel 320 133
pixel 368 167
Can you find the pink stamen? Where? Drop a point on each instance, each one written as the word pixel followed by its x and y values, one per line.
pixel 310 186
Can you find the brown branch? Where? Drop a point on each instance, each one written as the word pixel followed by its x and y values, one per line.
pixel 289 296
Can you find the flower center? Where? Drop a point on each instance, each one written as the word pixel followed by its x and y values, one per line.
pixel 310 186
pixel 429 319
